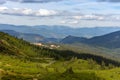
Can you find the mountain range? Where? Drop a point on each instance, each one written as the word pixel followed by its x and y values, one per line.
pixel 54 34
pixel 59 31
pixel 26 36
pixel 111 40
pixel 30 37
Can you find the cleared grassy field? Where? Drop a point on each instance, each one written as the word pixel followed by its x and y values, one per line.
pixel 17 69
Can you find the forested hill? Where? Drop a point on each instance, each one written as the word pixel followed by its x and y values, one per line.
pixel 17 47
pixel 20 60
pixel 20 48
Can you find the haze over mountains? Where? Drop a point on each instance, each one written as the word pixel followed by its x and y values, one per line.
pixel 26 36
pixel 30 37
pixel 54 34
pixel 60 31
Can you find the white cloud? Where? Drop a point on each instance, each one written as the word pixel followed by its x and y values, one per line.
pixel 3 9
pixel 73 22
pixel 89 17
pixel 69 17
pixel 77 17
pixel 93 17
pixel 69 22
pixel 63 22
pixel 45 12
pixel 27 12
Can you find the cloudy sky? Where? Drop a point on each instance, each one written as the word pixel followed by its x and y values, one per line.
pixel 74 13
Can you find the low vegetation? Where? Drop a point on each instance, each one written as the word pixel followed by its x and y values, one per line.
pixel 20 60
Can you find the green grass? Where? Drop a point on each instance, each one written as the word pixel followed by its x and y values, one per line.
pixel 16 69
pixel 20 60
pixel 77 65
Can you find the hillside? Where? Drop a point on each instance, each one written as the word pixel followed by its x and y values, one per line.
pixel 13 46
pixel 17 47
pixel 20 60
pixel 111 40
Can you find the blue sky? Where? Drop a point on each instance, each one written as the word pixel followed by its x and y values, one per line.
pixel 73 13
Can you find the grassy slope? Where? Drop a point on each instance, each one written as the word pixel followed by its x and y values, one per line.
pixel 96 50
pixel 11 68
pixel 20 60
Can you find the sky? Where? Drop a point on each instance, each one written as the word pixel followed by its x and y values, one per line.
pixel 73 13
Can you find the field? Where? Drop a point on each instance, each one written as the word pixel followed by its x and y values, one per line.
pixel 75 69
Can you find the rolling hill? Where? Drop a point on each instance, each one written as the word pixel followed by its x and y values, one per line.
pixel 20 60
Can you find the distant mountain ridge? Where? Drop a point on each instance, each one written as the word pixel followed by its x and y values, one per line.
pixel 59 31
pixel 26 36
pixel 111 40
pixel 72 39
pixel 31 37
